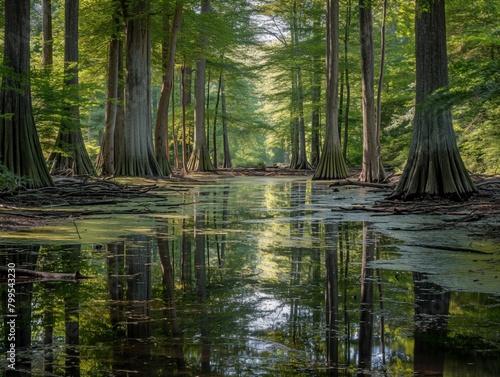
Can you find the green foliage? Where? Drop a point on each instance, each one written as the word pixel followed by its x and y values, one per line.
pixel 9 182
pixel 250 42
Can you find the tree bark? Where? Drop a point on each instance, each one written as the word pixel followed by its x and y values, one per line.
pixel 70 154
pixel 345 139
pixel 183 110
pixel 294 126
pixel 48 43
pixel 161 129
pixel 20 150
pixel 315 118
pixel 332 165
pixel 225 134
pixel 372 169
pixel 316 102
pixel 136 157
pixel 200 156
pixel 301 162
pixel 106 157
pixel 434 167
pixel 378 110
pixel 214 134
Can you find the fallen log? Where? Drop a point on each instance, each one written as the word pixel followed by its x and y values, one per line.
pixel 21 273
pixel 348 182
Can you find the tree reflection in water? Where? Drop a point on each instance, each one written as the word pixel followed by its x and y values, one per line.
pixel 432 305
pixel 22 257
pixel 285 289
pixel 366 308
pixel 332 296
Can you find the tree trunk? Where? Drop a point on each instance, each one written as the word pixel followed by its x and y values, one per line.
pixel 332 165
pixel 200 156
pixel 316 101
pixel 69 155
pixel 372 169
pixel 48 43
pixel 183 111
pixel 174 134
pixel 161 129
pixel 225 134
pixel 434 167
pixel 136 157
pixel 378 110
pixel 294 126
pixel 106 157
pixel 188 100
pixel 301 162
pixel 20 150
pixel 214 134
pixel 315 117
pixel 345 139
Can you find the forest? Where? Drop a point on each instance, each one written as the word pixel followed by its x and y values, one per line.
pixel 154 88
pixel 249 188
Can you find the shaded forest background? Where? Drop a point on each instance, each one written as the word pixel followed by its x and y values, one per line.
pixel 254 48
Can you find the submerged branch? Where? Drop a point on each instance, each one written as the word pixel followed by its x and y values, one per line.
pixel 24 273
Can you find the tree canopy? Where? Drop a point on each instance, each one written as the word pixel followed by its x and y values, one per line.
pixel 264 97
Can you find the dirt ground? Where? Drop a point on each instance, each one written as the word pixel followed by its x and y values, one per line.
pixel 29 209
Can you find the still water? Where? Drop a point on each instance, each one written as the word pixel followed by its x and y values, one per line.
pixel 251 277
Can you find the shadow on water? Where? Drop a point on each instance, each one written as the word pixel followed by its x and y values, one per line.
pixel 254 278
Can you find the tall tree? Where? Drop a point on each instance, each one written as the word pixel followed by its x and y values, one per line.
pixel 332 164
pixel 372 169
pixel 316 102
pixel 434 167
pixel 135 156
pixel 346 83
pixel 47 50
pixel 70 154
pixel 216 113
pixel 301 162
pixel 107 153
pixel 20 150
pixel 200 156
pixel 161 128
pixel 225 134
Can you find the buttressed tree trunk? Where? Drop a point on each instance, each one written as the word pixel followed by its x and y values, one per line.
pixel 70 154
pixel 161 128
pixel 20 150
pixel 200 156
pixel 434 167
pixel 372 169
pixel 135 156
pixel 332 164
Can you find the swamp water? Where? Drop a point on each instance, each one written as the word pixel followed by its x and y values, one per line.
pixel 253 277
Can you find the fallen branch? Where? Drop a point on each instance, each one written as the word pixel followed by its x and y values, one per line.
pixel 348 182
pixel 452 248
pixel 23 273
pixel 487 183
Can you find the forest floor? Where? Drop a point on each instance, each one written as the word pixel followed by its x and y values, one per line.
pixel 29 209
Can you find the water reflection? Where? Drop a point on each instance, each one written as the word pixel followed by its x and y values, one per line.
pixel 249 280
